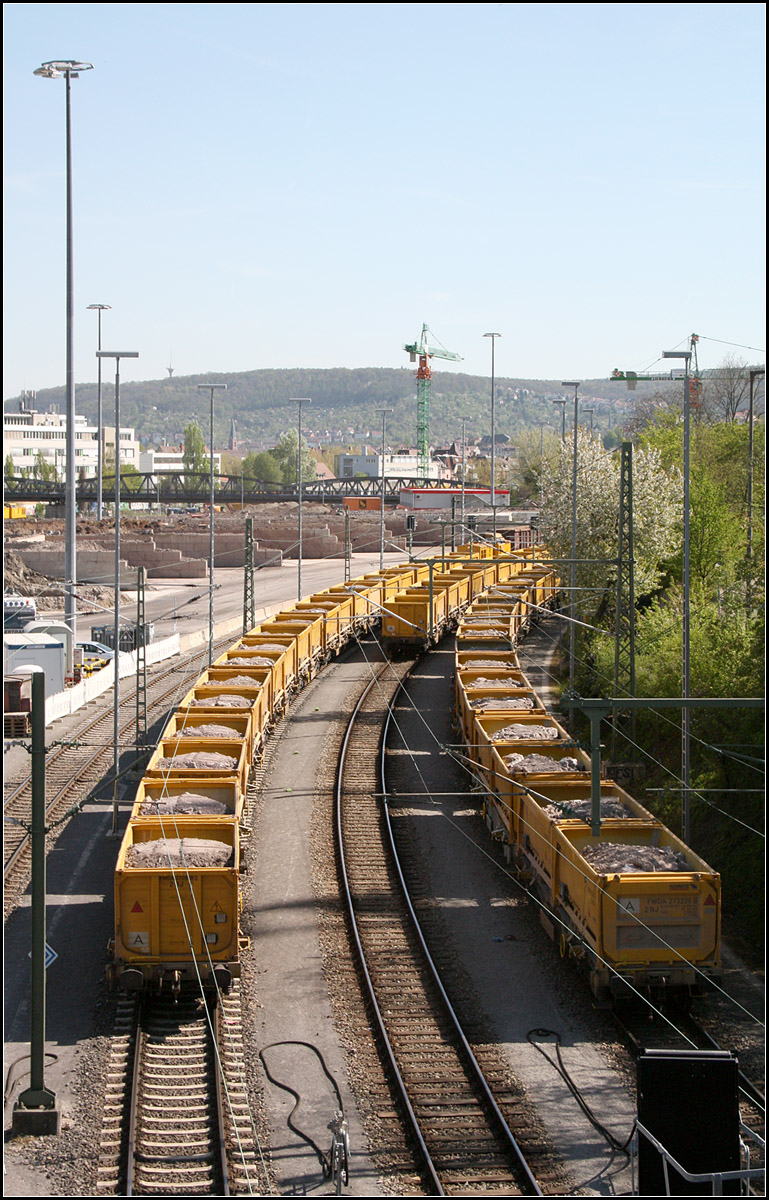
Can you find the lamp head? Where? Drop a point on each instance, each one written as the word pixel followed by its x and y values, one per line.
pixel 55 70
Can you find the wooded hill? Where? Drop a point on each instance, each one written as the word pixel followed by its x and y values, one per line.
pixel 342 400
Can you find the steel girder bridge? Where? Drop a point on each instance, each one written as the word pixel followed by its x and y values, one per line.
pixel 173 487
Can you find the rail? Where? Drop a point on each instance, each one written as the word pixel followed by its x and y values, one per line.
pixel 495 1155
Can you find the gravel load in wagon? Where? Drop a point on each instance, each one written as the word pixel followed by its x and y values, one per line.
pixel 539 764
pixel 223 702
pixel 482 682
pixel 253 660
pixel 478 664
pixel 498 704
pixel 611 858
pixel 188 804
pixel 529 733
pixel 199 761
pixel 238 681
pixel 179 852
pixel 582 810
pixel 206 731
pixel 272 646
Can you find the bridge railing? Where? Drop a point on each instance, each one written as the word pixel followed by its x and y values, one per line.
pixel 169 487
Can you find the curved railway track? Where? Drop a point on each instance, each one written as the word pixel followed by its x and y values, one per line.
pixel 73 770
pixel 464 1142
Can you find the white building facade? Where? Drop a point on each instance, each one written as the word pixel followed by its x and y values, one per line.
pixel 166 459
pixel 28 433
pixel 402 466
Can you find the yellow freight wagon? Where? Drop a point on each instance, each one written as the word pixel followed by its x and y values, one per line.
pixel 168 919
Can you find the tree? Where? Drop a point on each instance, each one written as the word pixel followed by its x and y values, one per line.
pixel 533 447
pixel 10 470
pixel 657 494
pixel 42 469
pixel 262 466
pixel 663 406
pixel 194 457
pixel 727 388
pixel 285 454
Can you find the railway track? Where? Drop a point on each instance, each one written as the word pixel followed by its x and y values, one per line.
pixel 177 1118
pixel 463 1142
pixel 74 770
pixel 176 1135
pixel 685 1032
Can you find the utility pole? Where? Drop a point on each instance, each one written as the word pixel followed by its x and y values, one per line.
pixel 347 546
pixel 300 400
pixel 754 373
pixel 493 337
pixel 249 604
pixel 117 355
pixel 686 632
pixel 572 608
pixel 464 472
pixel 624 646
pixel 211 388
pixel 384 412
pixel 141 660
pixel 35 1113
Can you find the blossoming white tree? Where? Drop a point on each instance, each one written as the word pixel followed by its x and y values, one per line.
pixel 657 516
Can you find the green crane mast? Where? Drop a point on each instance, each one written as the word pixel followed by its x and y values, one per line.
pixel 424 352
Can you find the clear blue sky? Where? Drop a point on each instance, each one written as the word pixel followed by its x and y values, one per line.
pixel 280 185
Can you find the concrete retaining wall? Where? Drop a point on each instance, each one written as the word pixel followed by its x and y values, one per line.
pixel 93 566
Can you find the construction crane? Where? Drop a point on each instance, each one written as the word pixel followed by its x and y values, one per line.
pixel 424 352
pixel 695 379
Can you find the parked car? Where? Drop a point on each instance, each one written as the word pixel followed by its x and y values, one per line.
pixel 94 652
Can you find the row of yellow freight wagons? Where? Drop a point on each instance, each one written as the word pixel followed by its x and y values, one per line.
pixel 176 883
pixel 636 906
pixel 440 599
pixel 177 898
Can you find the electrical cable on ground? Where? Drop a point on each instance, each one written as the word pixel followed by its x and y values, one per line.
pixel 324 1159
pixel 614 1143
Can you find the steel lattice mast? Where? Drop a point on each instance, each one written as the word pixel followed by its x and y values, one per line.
pixel 424 353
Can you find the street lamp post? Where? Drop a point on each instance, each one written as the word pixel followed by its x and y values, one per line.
pixel 117 355
pixel 686 629
pixel 100 308
pixel 211 388
pixel 542 466
pixel 464 472
pixel 384 412
pixel 591 411
pixel 563 418
pixel 572 611
pixel 493 337
pixel 69 69
pixel 300 400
